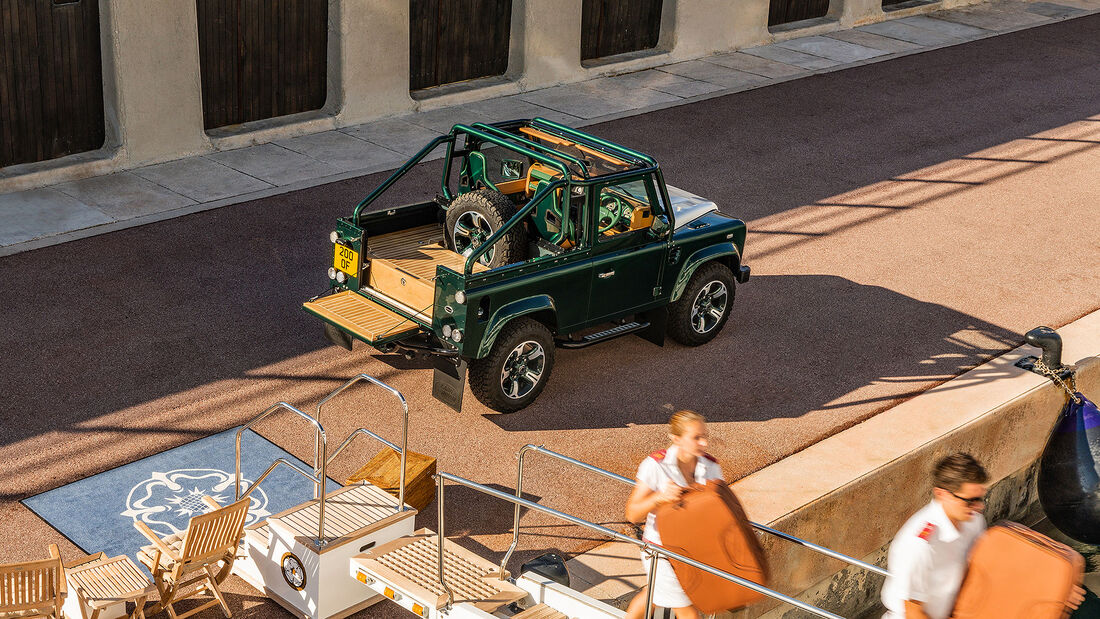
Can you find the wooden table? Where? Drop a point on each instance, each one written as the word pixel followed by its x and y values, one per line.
pixel 100 584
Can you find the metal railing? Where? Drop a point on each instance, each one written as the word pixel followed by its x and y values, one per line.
pixel 318 457
pixel 653 551
pixel 595 469
pixel 318 479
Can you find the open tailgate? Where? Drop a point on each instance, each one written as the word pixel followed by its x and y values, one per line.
pixel 361 318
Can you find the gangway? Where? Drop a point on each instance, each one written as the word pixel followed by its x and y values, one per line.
pixel 462 585
pixel 299 557
pixel 630 482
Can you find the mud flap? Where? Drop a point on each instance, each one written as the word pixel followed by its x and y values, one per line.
pixel 449 381
pixel 658 325
pixel 338 337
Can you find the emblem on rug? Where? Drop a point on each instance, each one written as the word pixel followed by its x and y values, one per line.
pixel 166 501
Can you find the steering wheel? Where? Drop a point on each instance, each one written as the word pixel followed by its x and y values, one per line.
pixel 612 209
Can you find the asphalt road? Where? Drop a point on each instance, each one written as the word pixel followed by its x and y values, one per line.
pixel 908 220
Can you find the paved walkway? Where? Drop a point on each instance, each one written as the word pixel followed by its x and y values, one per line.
pixel 72 210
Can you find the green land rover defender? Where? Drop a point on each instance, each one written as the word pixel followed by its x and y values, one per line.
pixel 551 237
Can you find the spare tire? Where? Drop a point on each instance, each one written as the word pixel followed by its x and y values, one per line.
pixel 475 216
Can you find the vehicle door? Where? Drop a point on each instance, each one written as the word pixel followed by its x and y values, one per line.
pixel 629 252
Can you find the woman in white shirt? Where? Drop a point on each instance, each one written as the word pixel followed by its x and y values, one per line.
pixel 662 478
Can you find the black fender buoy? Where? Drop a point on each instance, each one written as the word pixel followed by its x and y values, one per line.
pixel 1069 472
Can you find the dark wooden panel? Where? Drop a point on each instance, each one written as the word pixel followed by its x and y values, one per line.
pixel 51 80
pixel 610 27
pixel 787 11
pixel 457 40
pixel 261 58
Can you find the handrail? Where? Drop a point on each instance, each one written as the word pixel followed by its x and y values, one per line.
pixel 278 461
pixel 397 174
pixel 647 547
pixel 520 214
pixel 319 480
pixel 588 467
pixel 404 433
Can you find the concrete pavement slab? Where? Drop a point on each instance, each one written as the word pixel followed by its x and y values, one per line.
pixel 650 78
pixel 992 18
pixel 1050 9
pixel 44 212
pixel 395 134
pixel 907 32
pixel 953 29
pixel 124 195
pixel 666 82
pixel 867 39
pixel 343 151
pixel 442 119
pixel 274 164
pixel 694 88
pixel 201 179
pixel 587 100
pixel 512 107
pixel 756 65
pixel 789 56
pixel 833 49
pixel 714 73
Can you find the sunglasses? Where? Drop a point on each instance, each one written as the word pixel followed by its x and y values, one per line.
pixel 971 502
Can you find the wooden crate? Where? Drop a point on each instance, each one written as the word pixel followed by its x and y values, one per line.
pixel 384 471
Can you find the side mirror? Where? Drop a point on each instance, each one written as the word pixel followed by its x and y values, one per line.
pixel 660 226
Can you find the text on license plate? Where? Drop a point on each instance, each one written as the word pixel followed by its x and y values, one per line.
pixel 347 260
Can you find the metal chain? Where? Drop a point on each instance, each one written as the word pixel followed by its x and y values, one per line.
pixel 1045 370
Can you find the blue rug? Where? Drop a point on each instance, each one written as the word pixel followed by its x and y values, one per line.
pixel 164 490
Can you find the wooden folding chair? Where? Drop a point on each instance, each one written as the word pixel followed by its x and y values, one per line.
pixel 186 565
pixel 33 588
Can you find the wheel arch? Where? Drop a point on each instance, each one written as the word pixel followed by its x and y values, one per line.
pixel 724 253
pixel 539 307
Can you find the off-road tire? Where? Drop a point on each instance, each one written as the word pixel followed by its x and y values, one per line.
pixel 496 209
pixel 680 317
pixel 486 375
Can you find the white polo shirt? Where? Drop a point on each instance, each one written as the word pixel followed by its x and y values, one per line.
pixel 661 467
pixel 927 562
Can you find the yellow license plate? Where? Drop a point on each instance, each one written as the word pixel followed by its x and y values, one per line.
pixel 347 260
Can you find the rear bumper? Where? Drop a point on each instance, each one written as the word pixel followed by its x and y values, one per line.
pixel 743 274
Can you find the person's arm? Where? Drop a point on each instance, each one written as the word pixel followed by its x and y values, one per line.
pixel 910 565
pixel 914 610
pixel 644 500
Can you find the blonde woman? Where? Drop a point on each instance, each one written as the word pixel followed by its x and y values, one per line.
pixel 662 478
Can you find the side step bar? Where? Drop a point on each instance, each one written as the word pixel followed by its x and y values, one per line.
pixel 603 336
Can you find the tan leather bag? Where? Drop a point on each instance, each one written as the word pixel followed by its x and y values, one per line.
pixel 709 525
pixel 1016 573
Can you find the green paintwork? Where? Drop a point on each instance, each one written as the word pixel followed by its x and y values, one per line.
pixel 475 169
pixel 515 309
pixel 602 278
pixel 697 259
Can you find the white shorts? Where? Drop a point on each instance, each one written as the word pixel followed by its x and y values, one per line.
pixel 667 592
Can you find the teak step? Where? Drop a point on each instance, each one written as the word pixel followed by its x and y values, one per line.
pixel 384 471
pixel 259 533
pixel 540 611
pixel 359 315
pixel 410 563
pixel 350 513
